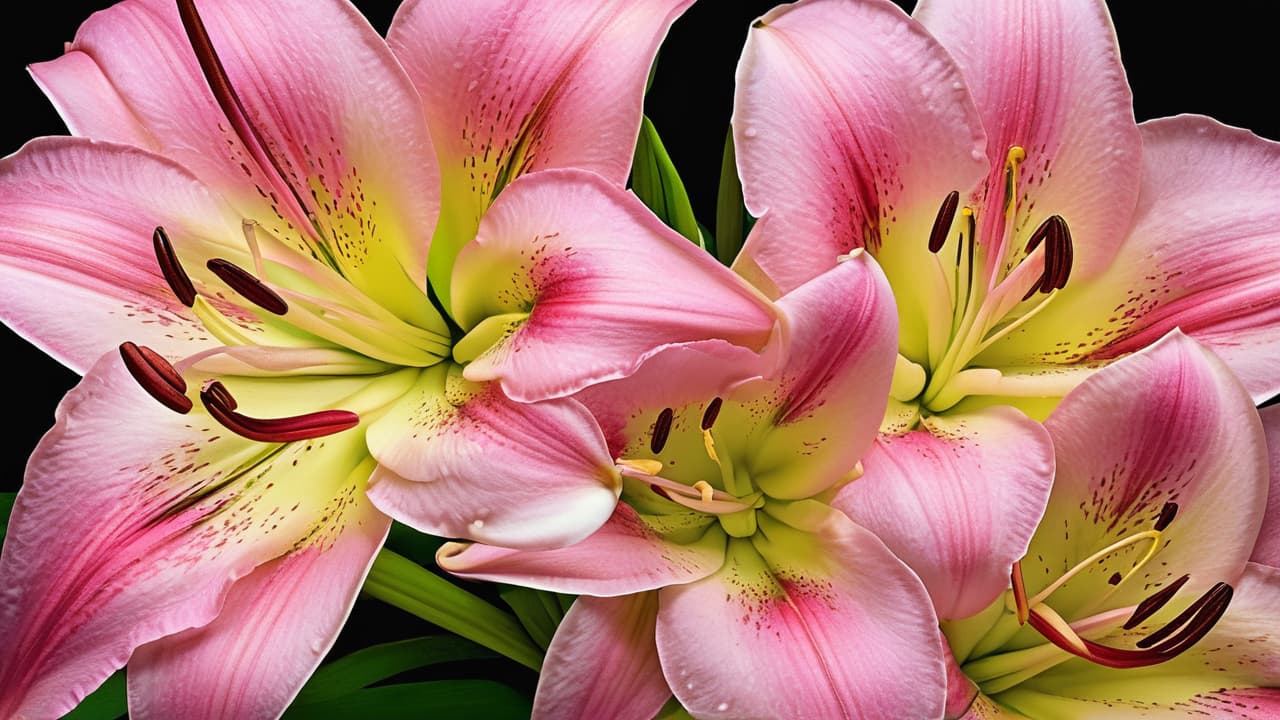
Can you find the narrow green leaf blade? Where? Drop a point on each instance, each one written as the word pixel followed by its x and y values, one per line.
pixel 377 663
pixel 655 181
pixel 413 701
pixel 731 214
pixel 539 616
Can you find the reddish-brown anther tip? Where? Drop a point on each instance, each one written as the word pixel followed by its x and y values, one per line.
pixel 250 287
pixel 942 223
pixel 176 277
pixel 1154 602
pixel 1205 605
pixel 661 430
pixel 711 413
pixel 220 404
pixel 156 376
pixel 1167 513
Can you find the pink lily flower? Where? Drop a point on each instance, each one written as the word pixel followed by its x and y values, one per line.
pixel 253 211
pixel 725 577
pixel 1137 597
pixel 985 153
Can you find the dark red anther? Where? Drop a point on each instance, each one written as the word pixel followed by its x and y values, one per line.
pixel 942 223
pixel 661 430
pixel 1184 617
pixel 156 376
pixel 711 413
pixel 661 492
pixel 171 269
pixel 1067 252
pixel 275 430
pixel 243 282
pixel 1152 604
pixel 1167 514
pixel 1040 234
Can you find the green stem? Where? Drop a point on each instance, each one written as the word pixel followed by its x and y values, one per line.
pixel 398 581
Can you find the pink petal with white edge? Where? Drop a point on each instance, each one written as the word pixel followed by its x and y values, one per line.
pixel 1232 674
pixel 626 556
pixel 516 86
pixel 603 662
pixel 1168 424
pixel 274 628
pixel 1047 77
pixel 80 275
pixel 1267 550
pixel 831 395
pixel 821 625
pixel 605 283
pixel 131 525
pixel 851 125
pixel 338 118
pixel 957 500
pixel 461 460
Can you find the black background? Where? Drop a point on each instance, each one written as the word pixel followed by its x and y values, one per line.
pixel 1219 61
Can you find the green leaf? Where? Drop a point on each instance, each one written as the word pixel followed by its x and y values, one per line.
pixel 731 214
pixel 106 703
pixel 537 610
pixel 418 547
pixel 656 182
pixel 413 701
pixel 403 583
pixel 380 662
pixel 6 507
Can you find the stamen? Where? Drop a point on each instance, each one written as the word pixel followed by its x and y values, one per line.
pixel 1019 592
pixel 1039 235
pixel 712 412
pixel 1013 159
pixel 156 376
pixel 275 430
pixel 1192 611
pixel 661 430
pixel 705 490
pixel 942 223
pixel 177 278
pixel 1154 602
pixel 648 467
pixel 1067 251
pixel 1167 514
pixel 253 290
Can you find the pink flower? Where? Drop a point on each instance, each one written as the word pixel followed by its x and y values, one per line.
pixel 725 577
pixel 260 217
pixel 1137 596
pixel 985 153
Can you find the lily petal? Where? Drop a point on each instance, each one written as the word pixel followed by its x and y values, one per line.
pixel 829 626
pixel 604 283
pixel 338 146
pixel 124 533
pixel 1201 257
pixel 274 628
pixel 849 121
pixel 1192 437
pixel 1047 77
pixel 457 459
pixel 958 501
pixel 603 662
pixel 512 87
pixel 626 556
pixel 831 396
pixel 1231 673
pixel 80 275
pixel 1267 550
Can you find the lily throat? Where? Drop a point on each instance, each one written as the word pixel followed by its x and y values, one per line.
pixel 986 274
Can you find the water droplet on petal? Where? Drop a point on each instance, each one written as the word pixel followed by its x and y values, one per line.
pixel 979 155
pixel 457 65
pixel 722 707
pixel 472 85
pixel 749 132
pixel 477 524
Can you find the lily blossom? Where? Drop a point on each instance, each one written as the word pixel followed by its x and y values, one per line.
pixel 725 577
pixel 1137 597
pixel 246 233
pixel 986 154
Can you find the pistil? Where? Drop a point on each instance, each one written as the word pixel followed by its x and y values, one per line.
pixel 222 407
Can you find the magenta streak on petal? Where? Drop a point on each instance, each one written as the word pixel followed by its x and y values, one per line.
pixel 172 269
pixel 156 376
pixel 289 429
pixel 253 289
